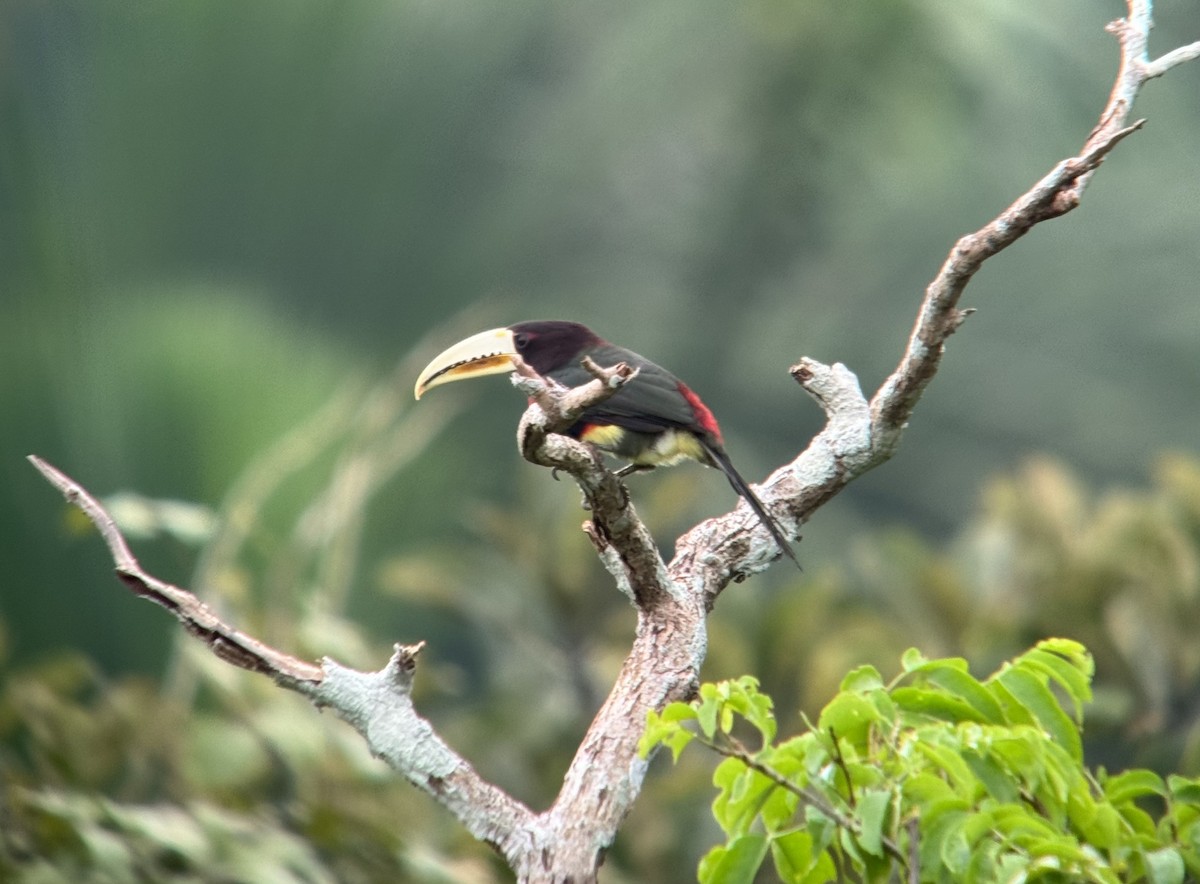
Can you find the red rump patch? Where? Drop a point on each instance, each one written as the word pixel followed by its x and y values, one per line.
pixel 704 417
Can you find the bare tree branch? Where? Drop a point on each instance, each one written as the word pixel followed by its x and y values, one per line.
pixel 377 704
pixel 567 842
pixel 851 444
pixel 1164 63
pixel 229 644
pixel 1056 194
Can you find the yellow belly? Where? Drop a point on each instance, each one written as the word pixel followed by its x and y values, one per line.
pixel 663 449
pixel 604 436
pixel 672 447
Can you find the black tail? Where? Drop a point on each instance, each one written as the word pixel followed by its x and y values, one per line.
pixel 721 460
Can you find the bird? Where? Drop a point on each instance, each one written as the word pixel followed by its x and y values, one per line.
pixel 653 420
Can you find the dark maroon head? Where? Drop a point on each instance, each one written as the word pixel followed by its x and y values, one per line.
pixel 550 344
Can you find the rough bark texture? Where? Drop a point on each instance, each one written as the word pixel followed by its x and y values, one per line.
pixel 567 842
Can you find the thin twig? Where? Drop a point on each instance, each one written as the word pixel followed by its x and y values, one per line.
pixel 737 750
pixel 228 643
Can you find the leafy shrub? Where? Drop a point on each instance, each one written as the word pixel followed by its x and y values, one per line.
pixel 934 776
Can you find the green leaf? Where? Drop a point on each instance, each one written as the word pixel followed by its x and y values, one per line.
pixel 958 664
pixel 942 836
pixel 872 811
pixel 925 788
pixel 793 854
pixel 852 853
pixel 1185 790
pixel 666 729
pixel 725 776
pixel 998 782
pixel 955 849
pixel 978 825
pixel 1082 808
pixel 1141 822
pixel 1063 848
pixel 912 659
pixel 1022 752
pixel 677 712
pixel 1021 823
pixel 1011 867
pixel 1103 830
pixel 849 717
pixel 706 716
pixel 820 826
pixel 1165 866
pixel 950 762
pixel 1131 785
pixel 865 774
pixel 726 714
pixel 1074 652
pixel 779 809
pixel 790 759
pixel 823 871
pixel 935 704
pixel 1075 681
pixel 952 676
pixel 862 679
pixel 984 864
pixel 743 793
pixel 677 740
pixel 759 711
pixel 885 708
pixel 1032 693
pixel 735 863
pixel 1015 713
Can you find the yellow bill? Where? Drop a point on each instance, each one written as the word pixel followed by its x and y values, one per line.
pixel 488 352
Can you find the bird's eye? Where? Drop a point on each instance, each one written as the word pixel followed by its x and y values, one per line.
pixel 521 340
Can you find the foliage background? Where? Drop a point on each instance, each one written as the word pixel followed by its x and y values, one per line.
pixel 224 223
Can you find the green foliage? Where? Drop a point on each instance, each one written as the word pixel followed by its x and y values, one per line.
pixel 117 781
pixel 1043 554
pixel 80 837
pixel 935 775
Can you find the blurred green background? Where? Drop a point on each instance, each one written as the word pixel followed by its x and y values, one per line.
pixel 231 233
